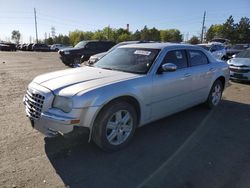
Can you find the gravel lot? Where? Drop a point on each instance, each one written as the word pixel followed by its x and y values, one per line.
pixel 192 149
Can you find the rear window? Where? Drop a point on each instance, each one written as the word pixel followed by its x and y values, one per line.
pixel 197 58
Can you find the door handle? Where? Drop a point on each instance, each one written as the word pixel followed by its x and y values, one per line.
pixel 187 74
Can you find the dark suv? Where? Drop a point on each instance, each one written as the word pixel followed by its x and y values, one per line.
pixel 72 56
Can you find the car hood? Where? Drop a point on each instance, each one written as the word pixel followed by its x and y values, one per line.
pixel 239 61
pixel 72 81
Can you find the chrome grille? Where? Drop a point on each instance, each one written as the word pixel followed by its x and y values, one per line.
pixel 34 104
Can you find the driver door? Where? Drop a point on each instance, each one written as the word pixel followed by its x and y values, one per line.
pixel 172 90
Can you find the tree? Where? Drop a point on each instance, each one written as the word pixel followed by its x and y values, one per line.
pixel 214 31
pixel 243 30
pixel 123 37
pixel 194 40
pixel 145 33
pixel 229 30
pixel 99 35
pixel 136 35
pixel 170 35
pixel 154 34
pixel 16 36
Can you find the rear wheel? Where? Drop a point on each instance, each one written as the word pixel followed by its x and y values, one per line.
pixel 115 126
pixel 215 94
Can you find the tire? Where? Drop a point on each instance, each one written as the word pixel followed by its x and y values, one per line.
pixel 115 125
pixel 215 95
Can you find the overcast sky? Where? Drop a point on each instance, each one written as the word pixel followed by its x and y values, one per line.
pixel 91 15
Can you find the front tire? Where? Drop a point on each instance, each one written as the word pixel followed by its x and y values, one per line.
pixel 215 94
pixel 115 125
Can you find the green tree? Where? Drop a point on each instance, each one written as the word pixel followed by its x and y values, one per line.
pixel 154 34
pixel 123 37
pixel 136 35
pixel 16 36
pixel 243 30
pixel 99 35
pixel 214 31
pixel 49 41
pixel 229 30
pixel 194 40
pixel 170 35
pixel 145 33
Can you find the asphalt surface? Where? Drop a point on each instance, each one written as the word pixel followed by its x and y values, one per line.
pixel 195 148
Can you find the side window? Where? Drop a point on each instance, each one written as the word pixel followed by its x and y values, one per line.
pixel 177 57
pixel 101 46
pixel 91 45
pixel 197 57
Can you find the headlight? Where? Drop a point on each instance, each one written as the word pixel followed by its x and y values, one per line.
pixel 63 103
pixel 66 52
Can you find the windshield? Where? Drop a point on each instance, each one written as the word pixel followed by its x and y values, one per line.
pixel 134 60
pixel 81 44
pixel 243 54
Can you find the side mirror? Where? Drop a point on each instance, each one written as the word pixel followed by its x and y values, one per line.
pixel 168 67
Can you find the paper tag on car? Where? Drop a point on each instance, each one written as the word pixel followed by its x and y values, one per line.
pixel 142 52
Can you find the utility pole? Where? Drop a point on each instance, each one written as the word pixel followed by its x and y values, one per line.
pixel 203 23
pixel 36 25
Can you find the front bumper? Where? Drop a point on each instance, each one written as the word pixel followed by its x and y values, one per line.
pixel 51 125
pixel 241 75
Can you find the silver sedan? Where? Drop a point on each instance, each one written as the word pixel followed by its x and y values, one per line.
pixel 128 88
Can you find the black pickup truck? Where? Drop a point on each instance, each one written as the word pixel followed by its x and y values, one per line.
pixel 72 56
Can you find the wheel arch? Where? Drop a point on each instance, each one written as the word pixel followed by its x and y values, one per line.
pixel 223 80
pixel 127 98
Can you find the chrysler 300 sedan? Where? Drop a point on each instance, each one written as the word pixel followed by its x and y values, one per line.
pixel 129 87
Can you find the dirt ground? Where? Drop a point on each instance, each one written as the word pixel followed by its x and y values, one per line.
pixel 194 148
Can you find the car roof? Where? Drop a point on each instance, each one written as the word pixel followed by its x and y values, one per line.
pixel 155 45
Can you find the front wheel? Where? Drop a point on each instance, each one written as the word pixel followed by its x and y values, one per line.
pixel 215 95
pixel 115 126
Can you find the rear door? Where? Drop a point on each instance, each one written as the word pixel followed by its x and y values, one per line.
pixel 202 72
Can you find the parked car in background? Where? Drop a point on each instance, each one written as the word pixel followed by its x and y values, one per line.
pixel 29 47
pixel 23 47
pixel 40 47
pixel 57 47
pixel 72 56
pixel 221 40
pixel 217 49
pixel 236 49
pixel 7 46
pixel 129 87
pixel 240 66
pixel 94 58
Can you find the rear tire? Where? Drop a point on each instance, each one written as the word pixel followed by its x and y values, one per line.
pixel 215 95
pixel 115 125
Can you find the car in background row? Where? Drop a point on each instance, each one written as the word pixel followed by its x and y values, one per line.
pixel 221 40
pixel 236 49
pixel 217 49
pixel 94 58
pixel 72 56
pixel 40 47
pixel 239 66
pixel 129 87
pixel 57 47
pixel 7 46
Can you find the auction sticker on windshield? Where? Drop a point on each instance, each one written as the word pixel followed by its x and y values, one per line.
pixel 142 52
